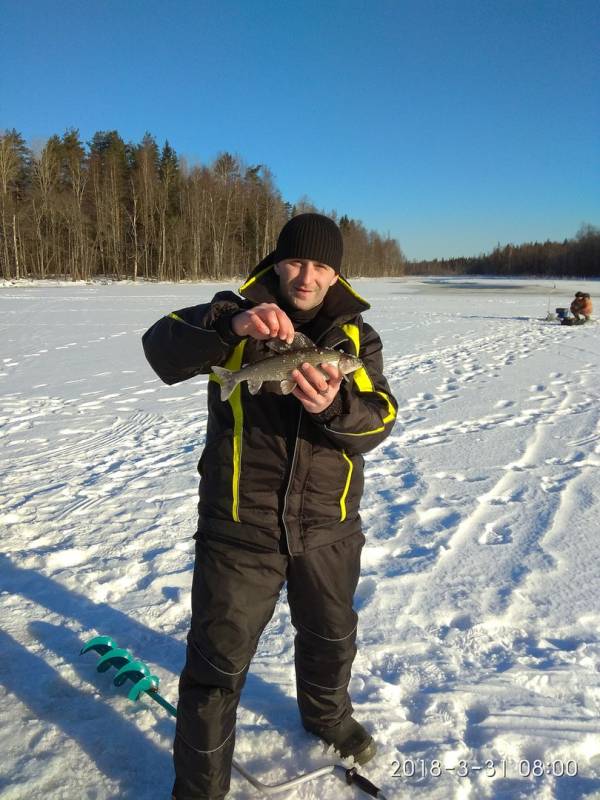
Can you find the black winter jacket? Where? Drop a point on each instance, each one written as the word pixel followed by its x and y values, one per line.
pixel 273 476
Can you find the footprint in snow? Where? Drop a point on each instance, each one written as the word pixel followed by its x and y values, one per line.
pixel 514 496
pixel 495 534
pixel 68 558
pixel 436 518
pixel 461 622
pixel 474 736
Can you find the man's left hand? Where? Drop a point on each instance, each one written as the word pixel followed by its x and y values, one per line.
pixel 313 390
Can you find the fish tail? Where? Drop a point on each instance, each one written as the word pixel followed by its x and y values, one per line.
pixel 227 379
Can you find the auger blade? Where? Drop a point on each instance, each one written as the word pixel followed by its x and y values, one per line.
pixel 133 670
pixel 101 644
pixel 147 684
pixel 114 658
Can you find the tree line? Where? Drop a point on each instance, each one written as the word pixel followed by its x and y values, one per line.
pixel 578 257
pixel 126 211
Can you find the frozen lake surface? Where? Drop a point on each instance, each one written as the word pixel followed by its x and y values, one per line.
pixel 479 634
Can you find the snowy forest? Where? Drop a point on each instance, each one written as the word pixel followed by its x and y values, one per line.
pixel 572 258
pixel 108 208
pixel 128 211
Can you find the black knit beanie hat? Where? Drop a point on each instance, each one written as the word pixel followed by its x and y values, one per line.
pixel 311 236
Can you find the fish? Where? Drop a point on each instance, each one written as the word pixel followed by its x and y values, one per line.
pixel 279 366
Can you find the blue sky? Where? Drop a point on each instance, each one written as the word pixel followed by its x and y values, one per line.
pixel 453 125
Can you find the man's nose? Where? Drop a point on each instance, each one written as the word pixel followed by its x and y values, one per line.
pixel 307 272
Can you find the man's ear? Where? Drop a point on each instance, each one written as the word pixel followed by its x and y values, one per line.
pixel 334 280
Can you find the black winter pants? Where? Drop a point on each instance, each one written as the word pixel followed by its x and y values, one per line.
pixel 234 592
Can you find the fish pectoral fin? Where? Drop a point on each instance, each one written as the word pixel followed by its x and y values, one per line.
pixel 254 386
pixel 278 346
pixel 301 342
pixel 287 386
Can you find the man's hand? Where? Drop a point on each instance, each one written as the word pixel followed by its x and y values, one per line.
pixel 314 391
pixel 265 321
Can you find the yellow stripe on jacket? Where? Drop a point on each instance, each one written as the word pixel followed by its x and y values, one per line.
pixel 363 382
pixel 234 362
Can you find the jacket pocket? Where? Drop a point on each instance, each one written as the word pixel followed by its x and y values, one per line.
pixel 219 468
pixel 333 487
pixel 209 450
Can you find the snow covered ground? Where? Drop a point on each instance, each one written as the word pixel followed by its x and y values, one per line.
pixel 480 591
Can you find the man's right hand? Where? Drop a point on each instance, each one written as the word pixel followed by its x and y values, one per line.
pixel 265 321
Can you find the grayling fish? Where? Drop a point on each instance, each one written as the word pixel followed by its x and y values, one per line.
pixel 279 367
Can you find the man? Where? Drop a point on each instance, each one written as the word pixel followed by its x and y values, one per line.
pixel 281 482
pixel 581 308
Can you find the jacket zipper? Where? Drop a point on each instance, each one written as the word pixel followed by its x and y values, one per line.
pixel 332 346
pixel 293 467
pixel 287 490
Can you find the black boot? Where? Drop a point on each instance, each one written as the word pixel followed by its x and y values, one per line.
pixel 349 738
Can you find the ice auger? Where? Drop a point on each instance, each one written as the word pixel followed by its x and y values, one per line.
pixel 129 668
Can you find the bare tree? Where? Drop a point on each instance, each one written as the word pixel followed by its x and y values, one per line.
pixel 14 176
pixel 132 210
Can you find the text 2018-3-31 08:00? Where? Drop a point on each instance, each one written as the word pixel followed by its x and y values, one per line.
pixel 492 768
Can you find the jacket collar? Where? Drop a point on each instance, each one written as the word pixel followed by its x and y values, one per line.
pixel 341 302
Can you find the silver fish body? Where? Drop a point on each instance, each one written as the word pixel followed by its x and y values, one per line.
pixel 279 367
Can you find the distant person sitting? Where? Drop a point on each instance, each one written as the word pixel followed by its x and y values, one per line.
pixel 581 308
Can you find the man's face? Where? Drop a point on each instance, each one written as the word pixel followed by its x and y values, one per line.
pixel 303 283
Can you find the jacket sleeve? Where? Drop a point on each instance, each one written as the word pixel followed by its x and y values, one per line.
pixel 366 410
pixel 190 341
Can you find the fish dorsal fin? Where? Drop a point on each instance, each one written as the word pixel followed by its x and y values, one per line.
pixel 278 346
pixel 301 342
